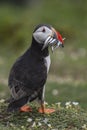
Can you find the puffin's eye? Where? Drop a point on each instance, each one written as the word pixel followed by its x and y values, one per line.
pixel 43 30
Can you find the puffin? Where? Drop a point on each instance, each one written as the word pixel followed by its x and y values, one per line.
pixel 28 75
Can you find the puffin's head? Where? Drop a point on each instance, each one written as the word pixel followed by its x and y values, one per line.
pixel 46 36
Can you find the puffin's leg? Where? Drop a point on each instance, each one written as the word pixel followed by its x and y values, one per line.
pixel 25 108
pixel 42 109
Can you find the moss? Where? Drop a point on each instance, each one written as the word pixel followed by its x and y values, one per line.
pixel 69 117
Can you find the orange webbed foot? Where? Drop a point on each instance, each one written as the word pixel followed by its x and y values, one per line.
pixel 46 110
pixel 25 109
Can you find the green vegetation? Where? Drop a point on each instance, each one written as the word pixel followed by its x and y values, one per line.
pixel 66 92
pixel 69 117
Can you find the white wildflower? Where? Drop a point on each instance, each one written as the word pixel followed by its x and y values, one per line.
pixel 34 124
pixel 29 120
pixel 11 124
pixel 59 104
pixel 49 125
pixel 39 124
pixel 68 104
pixel 84 127
pixel 45 120
pixel 22 127
pixel 75 103
pixel 2 101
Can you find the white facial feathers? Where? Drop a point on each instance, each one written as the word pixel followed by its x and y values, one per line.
pixel 41 34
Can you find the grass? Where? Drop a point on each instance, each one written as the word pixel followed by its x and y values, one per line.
pixel 69 117
pixel 56 92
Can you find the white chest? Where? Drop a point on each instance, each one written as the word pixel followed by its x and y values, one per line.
pixel 47 62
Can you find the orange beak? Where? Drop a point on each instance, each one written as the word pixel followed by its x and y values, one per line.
pixel 60 38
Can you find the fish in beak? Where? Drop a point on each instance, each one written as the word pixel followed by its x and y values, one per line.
pixel 54 41
pixel 59 41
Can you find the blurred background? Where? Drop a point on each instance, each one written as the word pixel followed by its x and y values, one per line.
pixel 67 80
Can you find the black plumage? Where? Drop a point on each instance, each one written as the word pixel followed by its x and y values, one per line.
pixel 28 76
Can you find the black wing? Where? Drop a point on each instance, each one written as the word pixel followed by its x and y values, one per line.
pixel 28 76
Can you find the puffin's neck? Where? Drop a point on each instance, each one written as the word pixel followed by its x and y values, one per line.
pixel 37 49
